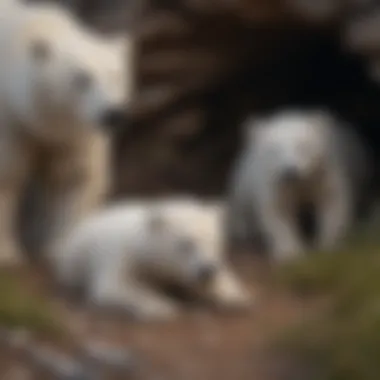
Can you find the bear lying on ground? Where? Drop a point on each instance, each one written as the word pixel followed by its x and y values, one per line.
pixel 60 84
pixel 291 159
pixel 121 257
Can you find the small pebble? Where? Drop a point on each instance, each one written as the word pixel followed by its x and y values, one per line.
pixel 61 366
pixel 99 353
pixel 18 339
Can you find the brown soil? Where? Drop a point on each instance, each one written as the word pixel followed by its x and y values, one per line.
pixel 203 344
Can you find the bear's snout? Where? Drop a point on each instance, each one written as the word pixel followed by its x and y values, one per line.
pixel 114 118
pixel 290 174
pixel 206 273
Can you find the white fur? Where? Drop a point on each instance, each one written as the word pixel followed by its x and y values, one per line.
pixel 262 204
pixel 117 252
pixel 46 118
pixel 41 94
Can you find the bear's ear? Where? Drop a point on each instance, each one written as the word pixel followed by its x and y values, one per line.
pixel 252 128
pixel 119 41
pixel 325 121
pixel 322 118
pixel 40 50
pixel 120 44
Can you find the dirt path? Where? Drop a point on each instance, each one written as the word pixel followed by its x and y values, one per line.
pixel 203 344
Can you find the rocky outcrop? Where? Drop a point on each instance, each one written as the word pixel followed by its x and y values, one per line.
pixel 203 65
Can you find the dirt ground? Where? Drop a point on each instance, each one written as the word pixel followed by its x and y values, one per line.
pixel 203 345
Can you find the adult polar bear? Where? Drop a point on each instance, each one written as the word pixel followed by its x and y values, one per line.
pixel 59 84
pixel 122 254
pixel 291 158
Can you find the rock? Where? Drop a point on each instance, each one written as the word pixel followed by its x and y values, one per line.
pixel 98 354
pixel 60 366
pixel 17 339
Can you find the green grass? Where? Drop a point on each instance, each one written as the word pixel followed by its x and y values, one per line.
pixel 343 343
pixel 22 308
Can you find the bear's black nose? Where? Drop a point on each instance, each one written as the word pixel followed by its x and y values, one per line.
pixel 114 118
pixel 290 174
pixel 206 273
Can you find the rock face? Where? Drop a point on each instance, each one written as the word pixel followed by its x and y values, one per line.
pixel 361 34
pixel 203 65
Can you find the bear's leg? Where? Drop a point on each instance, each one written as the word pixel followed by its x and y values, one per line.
pixel 77 182
pixel 279 226
pixel 227 291
pixel 334 209
pixel 15 161
pixel 237 224
pixel 115 289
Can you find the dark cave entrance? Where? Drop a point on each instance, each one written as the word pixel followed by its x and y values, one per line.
pixel 293 68
pixel 311 70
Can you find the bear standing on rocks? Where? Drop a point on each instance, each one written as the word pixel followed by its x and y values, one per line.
pixel 122 256
pixel 61 86
pixel 292 159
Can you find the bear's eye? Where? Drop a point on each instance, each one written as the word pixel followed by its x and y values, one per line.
pixel 41 51
pixel 83 81
pixel 186 247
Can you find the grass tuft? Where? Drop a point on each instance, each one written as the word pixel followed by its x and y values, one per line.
pixel 344 341
pixel 22 308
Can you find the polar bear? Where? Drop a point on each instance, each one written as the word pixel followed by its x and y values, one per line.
pixel 121 255
pixel 61 86
pixel 294 158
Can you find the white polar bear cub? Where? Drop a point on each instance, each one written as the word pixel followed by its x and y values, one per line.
pixel 122 254
pixel 290 158
pixel 59 85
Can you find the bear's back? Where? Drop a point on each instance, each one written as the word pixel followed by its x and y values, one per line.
pixel 118 224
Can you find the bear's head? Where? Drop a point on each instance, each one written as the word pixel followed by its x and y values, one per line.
pixel 187 249
pixel 185 245
pixel 292 145
pixel 68 78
